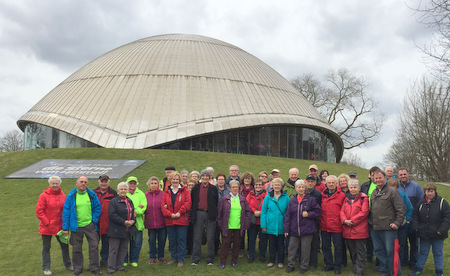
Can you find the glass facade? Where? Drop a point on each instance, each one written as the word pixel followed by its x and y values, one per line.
pixel 279 141
pixel 43 137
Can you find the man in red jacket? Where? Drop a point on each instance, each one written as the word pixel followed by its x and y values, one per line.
pixel 104 194
pixel 330 224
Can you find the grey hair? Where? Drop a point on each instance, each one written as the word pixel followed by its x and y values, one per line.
pixel 233 182
pixel 332 176
pixel 210 169
pixel 233 166
pixel 55 177
pixel 194 172
pixel 300 182
pixel 122 184
pixel 184 171
pixel 353 182
pixel 298 172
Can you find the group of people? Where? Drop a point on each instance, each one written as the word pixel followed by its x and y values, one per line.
pixel 295 218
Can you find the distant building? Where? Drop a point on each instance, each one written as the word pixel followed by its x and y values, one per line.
pixel 181 91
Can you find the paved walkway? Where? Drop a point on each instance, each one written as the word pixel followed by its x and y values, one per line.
pixel 442 183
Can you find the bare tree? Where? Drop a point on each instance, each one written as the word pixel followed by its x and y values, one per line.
pixel 12 141
pixel 435 14
pixel 343 99
pixel 352 159
pixel 423 139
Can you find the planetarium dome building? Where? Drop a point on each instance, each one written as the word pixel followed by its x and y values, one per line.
pixel 181 91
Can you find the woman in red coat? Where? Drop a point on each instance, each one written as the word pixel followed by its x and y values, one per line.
pixel 175 207
pixel 354 217
pixel 255 200
pixel 49 210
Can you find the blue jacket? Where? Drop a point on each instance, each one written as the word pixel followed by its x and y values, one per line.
pixel 272 218
pixel 408 205
pixel 69 216
pixel 413 191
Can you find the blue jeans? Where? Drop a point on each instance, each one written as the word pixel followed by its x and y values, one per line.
pixel 177 241
pixel 156 238
pixel 438 249
pixel 135 248
pixel 326 248
pixel 383 245
pixel 276 248
pixel 253 232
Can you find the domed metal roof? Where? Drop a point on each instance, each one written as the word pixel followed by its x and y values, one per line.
pixel 165 88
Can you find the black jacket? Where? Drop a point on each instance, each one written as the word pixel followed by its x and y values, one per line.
pixel 430 218
pixel 117 214
pixel 212 201
pixel 365 186
pixel 317 195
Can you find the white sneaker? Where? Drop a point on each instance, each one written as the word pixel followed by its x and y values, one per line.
pixel 47 272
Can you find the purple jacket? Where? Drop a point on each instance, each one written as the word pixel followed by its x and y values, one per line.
pixel 154 218
pixel 294 222
pixel 224 214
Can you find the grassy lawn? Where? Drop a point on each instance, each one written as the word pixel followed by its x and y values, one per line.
pixel 21 245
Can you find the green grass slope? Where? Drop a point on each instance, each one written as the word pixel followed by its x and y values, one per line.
pixel 21 245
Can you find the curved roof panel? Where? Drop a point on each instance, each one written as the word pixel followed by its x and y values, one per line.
pixel 168 87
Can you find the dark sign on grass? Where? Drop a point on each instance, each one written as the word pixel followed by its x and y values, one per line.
pixel 74 168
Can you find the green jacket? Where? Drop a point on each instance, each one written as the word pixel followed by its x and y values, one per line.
pixel 289 188
pixel 139 198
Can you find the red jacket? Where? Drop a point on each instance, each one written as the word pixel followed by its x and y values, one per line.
pixel 358 212
pixel 49 210
pixel 182 205
pixel 103 222
pixel 256 203
pixel 330 220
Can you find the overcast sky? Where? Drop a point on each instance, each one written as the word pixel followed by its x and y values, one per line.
pixel 43 42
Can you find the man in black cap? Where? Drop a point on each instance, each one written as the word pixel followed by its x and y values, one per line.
pixel 104 194
pixel 352 175
pixel 310 181
pixel 164 183
pixel 205 199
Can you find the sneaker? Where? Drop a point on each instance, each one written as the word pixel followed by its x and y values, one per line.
pixel 270 264
pixel 251 260
pixel 134 264
pixel 180 264
pixel 69 268
pixel 152 261
pixel 280 265
pixel 222 265
pixel 337 271
pixel 161 260
pixel 171 262
pixel 125 264
pixel 303 270
pixel 194 263
pixel 415 272
pixel 47 272
pixel 234 264
pixel 210 263
pixel 97 272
